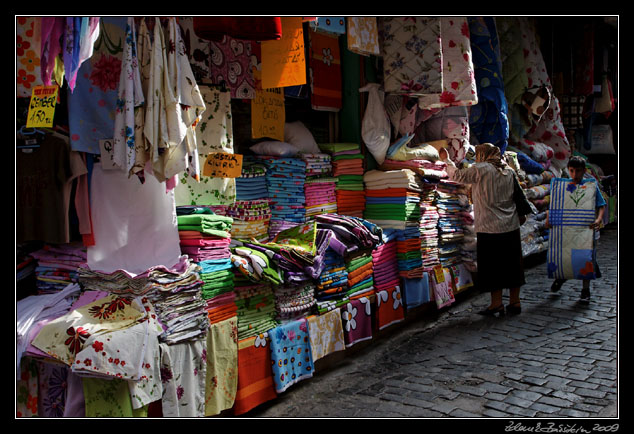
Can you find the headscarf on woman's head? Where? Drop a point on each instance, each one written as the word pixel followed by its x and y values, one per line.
pixel 488 153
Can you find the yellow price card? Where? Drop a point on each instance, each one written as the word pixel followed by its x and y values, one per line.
pixel 42 107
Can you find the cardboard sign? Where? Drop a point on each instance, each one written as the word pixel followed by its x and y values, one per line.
pixel 440 274
pixel 42 107
pixel 223 165
pixel 106 147
pixel 284 61
pixel 268 114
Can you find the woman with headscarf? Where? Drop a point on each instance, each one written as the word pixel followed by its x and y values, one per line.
pixel 497 224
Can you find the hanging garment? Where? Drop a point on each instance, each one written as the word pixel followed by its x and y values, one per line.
pixel 72 38
pixel 52 40
pixel 92 105
pixel 198 49
pixel 145 239
pixel 214 133
pixel 28 51
pixel 130 99
pixel 333 25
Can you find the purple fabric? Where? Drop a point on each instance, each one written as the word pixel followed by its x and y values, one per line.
pixel 75 402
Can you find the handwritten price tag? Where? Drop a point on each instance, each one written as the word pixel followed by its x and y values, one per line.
pixel 42 107
pixel 223 165
pixel 268 114
pixel 440 274
pixel 284 61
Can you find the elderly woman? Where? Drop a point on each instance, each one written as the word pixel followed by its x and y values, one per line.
pixel 497 224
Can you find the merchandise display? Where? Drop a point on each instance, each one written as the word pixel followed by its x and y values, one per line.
pixel 191 240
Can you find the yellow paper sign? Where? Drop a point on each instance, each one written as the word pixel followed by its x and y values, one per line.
pixel 283 61
pixel 42 107
pixel 268 114
pixel 223 165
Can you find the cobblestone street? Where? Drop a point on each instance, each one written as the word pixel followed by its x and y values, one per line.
pixel 557 359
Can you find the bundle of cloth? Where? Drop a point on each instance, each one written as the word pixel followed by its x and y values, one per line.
pixel 349 233
pixel 429 226
pixel 293 302
pixel 251 185
pixel 285 183
pixel 387 288
pixel 256 306
pixel 57 266
pixel 206 237
pixel 450 229
pixel 360 269
pixel 408 253
pixel 332 283
pixel 251 219
pixel 347 168
pixel 393 198
pixel 321 197
pixel 317 164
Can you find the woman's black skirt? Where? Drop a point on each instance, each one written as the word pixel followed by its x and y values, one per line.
pixel 500 262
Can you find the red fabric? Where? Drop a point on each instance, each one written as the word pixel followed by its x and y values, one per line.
pixel 248 28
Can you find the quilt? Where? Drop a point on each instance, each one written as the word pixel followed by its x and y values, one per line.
pixel 571 250
pixel 291 356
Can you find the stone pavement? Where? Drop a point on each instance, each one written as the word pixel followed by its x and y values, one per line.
pixel 557 359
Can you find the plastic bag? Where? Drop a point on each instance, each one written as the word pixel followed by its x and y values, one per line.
pixel 375 127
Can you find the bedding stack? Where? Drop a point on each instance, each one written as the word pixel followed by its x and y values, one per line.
pixel 429 226
pixel 285 183
pixel 294 302
pixel 387 288
pixel 57 266
pixel 450 229
pixel 332 284
pixel 205 238
pixel 319 186
pixel 360 271
pixel 251 185
pixel 251 219
pixel 392 198
pixel 256 306
pixel 347 168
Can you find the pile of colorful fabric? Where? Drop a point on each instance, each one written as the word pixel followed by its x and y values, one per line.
pixel 450 229
pixel 408 253
pixel 205 237
pixel 256 307
pixel 332 283
pixel 347 165
pixel 389 302
pixel 360 270
pixel 251 219
pixel 321 197
pixel 429 226
pixel 293 302
pixel 393 198
pixel 251 185
pixel 285 183
pixel 57 266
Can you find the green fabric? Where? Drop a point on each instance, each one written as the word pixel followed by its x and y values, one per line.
pixel 109 398
pixel 211 224
pixel 348 157
pixel 338 147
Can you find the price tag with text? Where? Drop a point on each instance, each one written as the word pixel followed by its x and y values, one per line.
pixel 268 114
pixel 223 165
pixel 440 274
pixel 42 107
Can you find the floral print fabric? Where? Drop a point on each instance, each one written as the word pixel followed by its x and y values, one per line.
pixel 411 51
pixel 28 48
pixel 326 333
pixel 291 356
pixel 231 64
pixel 27 397
pixel 356 317
pixel 109 398
pixel 389 307
pixel 214 133
pixel 183 371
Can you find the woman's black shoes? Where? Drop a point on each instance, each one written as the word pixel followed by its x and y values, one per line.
pixel 514 308
pixel 493 311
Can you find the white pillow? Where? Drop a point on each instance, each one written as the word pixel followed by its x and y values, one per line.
pixel 299 136
pixel 275 148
